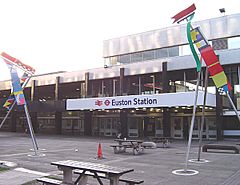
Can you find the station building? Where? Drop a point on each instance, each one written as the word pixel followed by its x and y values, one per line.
pixel 145 88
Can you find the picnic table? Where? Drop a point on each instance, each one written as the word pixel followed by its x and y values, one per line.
pixel 111 172
pixel 123 144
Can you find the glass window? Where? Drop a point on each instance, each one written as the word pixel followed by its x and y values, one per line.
pixel 161 53
pixel 234 43
pixel 148 55
pixel 220 44
pixel 113 60
pixel 173 51
pixel 136 57
pixel 184 50
pixel 124 59
pixel 159 124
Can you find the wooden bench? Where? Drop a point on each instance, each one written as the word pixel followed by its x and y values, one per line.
pixel 49 181
pixel 122 148
pixel 128 181
pixel 221 147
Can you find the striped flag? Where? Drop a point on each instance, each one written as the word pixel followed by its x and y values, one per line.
pixel 11 98
pixel 17 90
pixel 210 58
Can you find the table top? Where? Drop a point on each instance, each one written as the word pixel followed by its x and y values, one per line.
pixel 129 140
pixel 92 167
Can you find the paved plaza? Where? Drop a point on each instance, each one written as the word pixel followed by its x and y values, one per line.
pixel 154 166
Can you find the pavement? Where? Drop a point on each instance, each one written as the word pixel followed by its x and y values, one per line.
pixel 154 166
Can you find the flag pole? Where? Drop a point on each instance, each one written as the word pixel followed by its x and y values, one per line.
pixel 35 147
pixel 192 121
pixel 4 119
pixel 203 113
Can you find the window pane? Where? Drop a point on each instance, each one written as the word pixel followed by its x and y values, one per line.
pixel 124 59
pixel 136 57
pixel 161 53
pixel 174 51
pixel 185 50
pixel 148 55
pixel 234 43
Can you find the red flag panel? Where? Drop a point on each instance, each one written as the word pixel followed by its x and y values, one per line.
pixel 209 56
pixel 184 13
pixel 215 69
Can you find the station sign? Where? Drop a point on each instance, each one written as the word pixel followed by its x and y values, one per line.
pixel 137 101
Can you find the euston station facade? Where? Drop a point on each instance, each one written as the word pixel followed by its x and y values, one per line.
pixel 146 88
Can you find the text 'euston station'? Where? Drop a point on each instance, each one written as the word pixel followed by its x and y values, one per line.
pixel 135 101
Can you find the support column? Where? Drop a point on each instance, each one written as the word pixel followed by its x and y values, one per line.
pixel 58 122
pixel 13 123
pixel 121 81
pixel 219 118
pixel 166 122
pixel 87 86
pixel 58 115
pixel 57 89
pixel 166 111
pixel 33 90
pixel 165 79
pixel 87 123
pixel 123 122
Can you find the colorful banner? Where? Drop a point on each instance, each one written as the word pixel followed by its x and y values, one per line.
pixel 195 55
pixel 9 101
pixel 214 67
pixel 16 85
pixel 11 98
pixel 18 63
pixel 183 14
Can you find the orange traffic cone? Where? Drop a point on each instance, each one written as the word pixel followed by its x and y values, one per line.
pixel 100 156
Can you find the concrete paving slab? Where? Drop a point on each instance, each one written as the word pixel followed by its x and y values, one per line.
pixel 155 166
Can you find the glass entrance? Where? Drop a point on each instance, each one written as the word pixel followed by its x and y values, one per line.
pixel 108 126
pixel 133 126
pixel 177 127
pixel 209 127
pixel 73 125
pixel 211 132
pixel 159 127
pixel 196 127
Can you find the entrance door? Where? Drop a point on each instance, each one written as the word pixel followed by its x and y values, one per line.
pixel 149 126
pixel 211 132
pixel 159 127
pixel 108 126
pixel 133 124
pixel 177 127
pixel 196 127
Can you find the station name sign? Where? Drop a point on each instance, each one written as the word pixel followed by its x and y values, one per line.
pixel 116 102
pixel 140 101
pixel 124 102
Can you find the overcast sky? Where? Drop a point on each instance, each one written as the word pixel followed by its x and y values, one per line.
pixel 67 35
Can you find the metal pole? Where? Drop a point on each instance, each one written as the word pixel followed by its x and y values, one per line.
pixel 35 147
pixel 203 114
pixel 4 119
pixel 192 122
pixel 233 106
